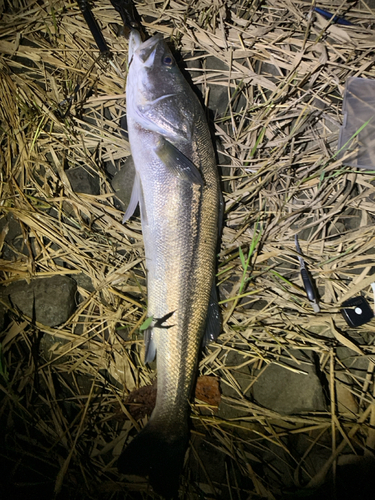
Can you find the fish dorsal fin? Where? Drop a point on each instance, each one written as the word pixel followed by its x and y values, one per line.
pixel 134 198
pixel 177 163
pixel 213 323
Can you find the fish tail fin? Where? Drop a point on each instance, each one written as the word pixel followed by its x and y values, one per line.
pixel 158 454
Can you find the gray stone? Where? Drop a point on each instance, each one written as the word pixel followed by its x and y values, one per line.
pixel 354 362
pixel 212 459
pixel 336 229
pixel 228 412
pixel 355 476
pixel 277 468
pixel 266 68
pixel 223 161
pixel 193 65
pixel 50 300
pixel 351 218
pixel 304 233
pixel 48 346
pixel 218 95
pixel 54 246
pixel 83 181
pixel 3 313
pixel 243 378
pixel 111 168
pixel 242 374
pixel 84 281
pixel 314 456
pixel 288 392
pixel 320 330
pixel 122 182
pixel 13 238
pixel 347 403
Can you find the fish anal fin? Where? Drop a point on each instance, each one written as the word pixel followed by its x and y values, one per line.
pixel 150 347
pixel 134 198
pixel 177 163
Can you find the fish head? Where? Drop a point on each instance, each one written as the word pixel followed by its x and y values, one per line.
pixel 154 62
pixel 158 96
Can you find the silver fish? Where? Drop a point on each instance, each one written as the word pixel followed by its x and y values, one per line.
pixel 177 188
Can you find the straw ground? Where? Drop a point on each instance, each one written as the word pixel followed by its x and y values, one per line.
pixel 272 75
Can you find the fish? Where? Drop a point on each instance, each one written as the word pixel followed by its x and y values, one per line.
pixel 177 189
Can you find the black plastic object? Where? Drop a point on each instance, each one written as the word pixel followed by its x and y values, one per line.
pixel 94 28
pixel 357 311
pixel 129 16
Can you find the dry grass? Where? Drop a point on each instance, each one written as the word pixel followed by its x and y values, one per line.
pixel 284 77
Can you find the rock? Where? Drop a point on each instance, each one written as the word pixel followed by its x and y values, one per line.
pixel 346 402
pixel 48 347
pixel 243 378
pixel 223 161
pixel 13 237
pixel 84 281
pixel 336 229
pixel 192 67
pixel 213 461
pixel 314 457
pixel 266 68
pixel 321 329
pixel 58 261
pixel 355 476
pixel 233 360
pixel 354 362
pixel 277 468
pixel 218 95
pixel 83 181
pixel 306 230
pixel 50 300
pixel 122 183
pixel 287 392
pixel 351 218
pixel 3 313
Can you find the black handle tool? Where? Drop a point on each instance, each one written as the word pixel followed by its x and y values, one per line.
pixel 307 282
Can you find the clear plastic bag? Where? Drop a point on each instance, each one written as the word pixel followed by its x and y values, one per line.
pixel 357 135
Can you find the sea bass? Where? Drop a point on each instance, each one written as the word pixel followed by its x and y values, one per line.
pixel 177 188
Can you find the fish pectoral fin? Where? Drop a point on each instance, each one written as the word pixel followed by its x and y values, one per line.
pixel 213 323
pixel 177 163
pixel 150 347
pixel 134 198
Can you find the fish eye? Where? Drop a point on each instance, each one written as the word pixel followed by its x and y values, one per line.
pixel 168 61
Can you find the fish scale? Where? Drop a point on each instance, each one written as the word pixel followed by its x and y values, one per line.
pixel 177 188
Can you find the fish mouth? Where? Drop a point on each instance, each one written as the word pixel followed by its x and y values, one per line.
pixel 146 52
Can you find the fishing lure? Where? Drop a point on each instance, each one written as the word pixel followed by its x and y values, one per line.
pixel 307 282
